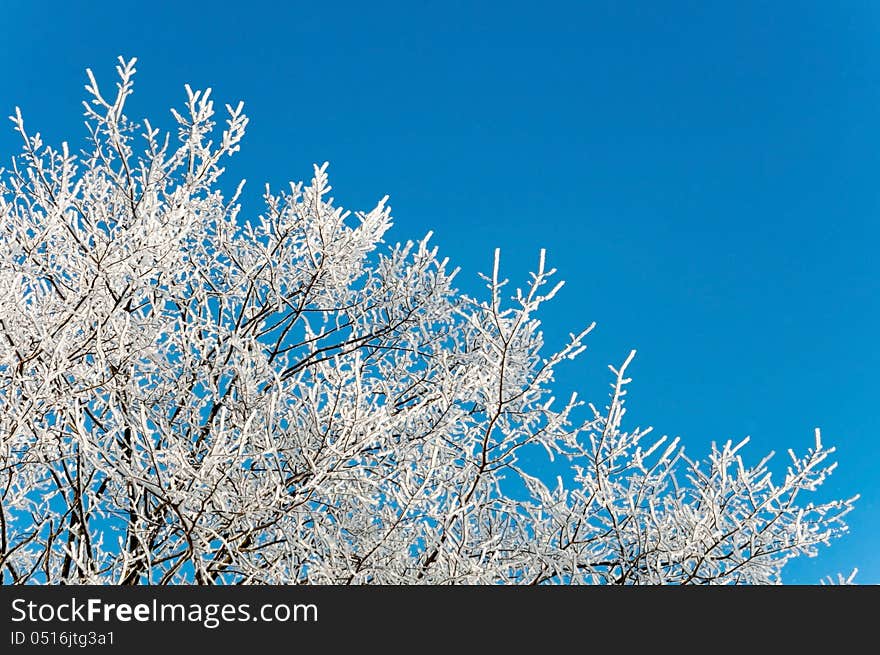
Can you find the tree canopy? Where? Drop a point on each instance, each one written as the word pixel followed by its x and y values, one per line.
pixel 189 395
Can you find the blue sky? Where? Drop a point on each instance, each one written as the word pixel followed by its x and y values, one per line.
pixel 703 174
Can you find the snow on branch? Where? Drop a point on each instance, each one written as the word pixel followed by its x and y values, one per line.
pixel 192 396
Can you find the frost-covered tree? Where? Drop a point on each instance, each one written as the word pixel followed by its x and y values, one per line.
pixel 187 395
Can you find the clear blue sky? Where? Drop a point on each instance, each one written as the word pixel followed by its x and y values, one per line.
pixel 705 176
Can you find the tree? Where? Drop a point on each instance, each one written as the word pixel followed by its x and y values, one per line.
pixel 186 396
